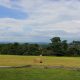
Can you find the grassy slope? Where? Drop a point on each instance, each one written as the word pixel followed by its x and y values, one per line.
pixel 38 74
pixel 7 60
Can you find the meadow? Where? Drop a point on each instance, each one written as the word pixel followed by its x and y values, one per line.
pixel 12 60
pixel 39 73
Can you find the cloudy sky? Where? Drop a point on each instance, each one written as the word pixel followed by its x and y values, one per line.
pixel 39 20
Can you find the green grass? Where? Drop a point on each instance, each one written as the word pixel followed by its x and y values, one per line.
pixel 38 74
pixel 12 60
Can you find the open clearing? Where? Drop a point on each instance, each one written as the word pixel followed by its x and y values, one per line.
pixel 12 60
pixel 39 73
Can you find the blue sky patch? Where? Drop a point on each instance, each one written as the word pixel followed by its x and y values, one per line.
pixel 12 13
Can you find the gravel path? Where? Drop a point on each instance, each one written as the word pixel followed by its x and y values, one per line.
pixel 44 67
pixel 5 66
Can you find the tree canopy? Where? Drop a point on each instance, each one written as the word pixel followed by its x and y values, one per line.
pixel 57 47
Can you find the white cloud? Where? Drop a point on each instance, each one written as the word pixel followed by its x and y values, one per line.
pixel 68 26
pixel 43 15
pixel 11 24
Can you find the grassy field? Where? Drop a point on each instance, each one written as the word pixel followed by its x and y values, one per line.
pixel 11 60
pixel 38 74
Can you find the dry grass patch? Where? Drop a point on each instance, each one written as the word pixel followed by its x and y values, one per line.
pixel 11 60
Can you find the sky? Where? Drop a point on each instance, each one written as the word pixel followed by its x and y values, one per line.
pixel 39 20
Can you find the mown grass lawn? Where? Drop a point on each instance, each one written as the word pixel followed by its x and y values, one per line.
pixel 12 60
pixel 38 74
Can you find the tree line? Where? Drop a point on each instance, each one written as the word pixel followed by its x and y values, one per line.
pixel 57 47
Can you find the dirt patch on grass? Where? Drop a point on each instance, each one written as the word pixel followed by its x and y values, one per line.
pixel 43 67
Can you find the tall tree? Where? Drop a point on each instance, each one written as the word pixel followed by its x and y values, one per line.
pixel 56 46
